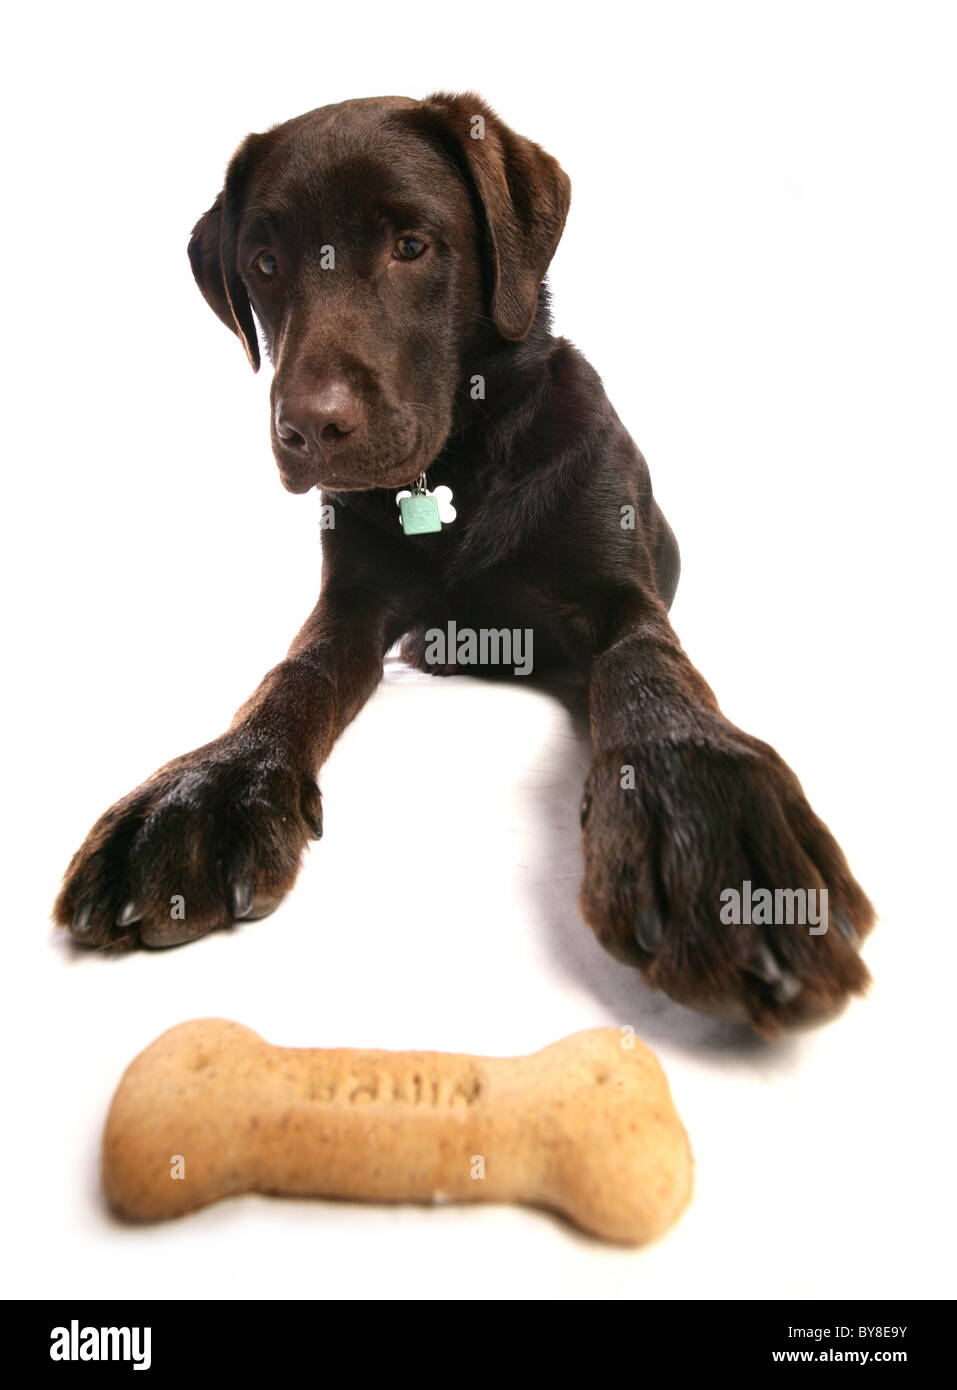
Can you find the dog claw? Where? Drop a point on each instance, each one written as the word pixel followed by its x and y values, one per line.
pixel 82 919
pixel 130 912
pixel 315 825
pixel 844 928
pixel 649 931
pixel 240 898
pixel 585 808
pixel 763 964
pixel 784 985
pixel 787 988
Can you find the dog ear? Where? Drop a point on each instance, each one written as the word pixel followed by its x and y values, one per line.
pixel 525 195
pixel 212 253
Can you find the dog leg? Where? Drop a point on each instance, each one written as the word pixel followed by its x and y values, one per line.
pixel 217 835
pixel 681 811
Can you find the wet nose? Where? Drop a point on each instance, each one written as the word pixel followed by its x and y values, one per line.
pixel 318 422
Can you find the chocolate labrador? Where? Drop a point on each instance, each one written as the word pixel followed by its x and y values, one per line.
pixel 393 252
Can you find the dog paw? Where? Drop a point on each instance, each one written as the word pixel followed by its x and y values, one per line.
pixel 212 838
pixel 707 869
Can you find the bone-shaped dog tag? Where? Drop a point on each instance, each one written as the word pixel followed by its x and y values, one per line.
pixel 422 511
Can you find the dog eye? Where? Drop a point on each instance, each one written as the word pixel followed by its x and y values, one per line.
pixel 267 263
pixel 409 248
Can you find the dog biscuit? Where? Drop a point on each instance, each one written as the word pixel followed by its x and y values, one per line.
pixel 586 1127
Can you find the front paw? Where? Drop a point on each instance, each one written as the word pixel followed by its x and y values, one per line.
pixel 693 853
pixel 214 837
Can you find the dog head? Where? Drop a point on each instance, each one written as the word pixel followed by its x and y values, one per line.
pixel 376 242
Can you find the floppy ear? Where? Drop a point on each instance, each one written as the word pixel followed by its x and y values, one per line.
pixel 212 254
pixel 525 195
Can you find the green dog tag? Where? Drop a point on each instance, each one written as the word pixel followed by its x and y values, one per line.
pixel 419 513
pixel 422 511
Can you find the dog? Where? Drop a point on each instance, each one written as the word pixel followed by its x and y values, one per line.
pixel 394 253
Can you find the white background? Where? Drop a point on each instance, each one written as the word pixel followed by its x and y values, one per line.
pixel 760 262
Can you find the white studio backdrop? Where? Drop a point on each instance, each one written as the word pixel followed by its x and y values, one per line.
pixel 759 262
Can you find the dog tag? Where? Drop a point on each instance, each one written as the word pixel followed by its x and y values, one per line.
pixel 421 511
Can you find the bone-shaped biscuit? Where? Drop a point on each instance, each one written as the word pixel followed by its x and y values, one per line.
pixel 586 1127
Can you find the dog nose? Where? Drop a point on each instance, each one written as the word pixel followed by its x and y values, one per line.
pixel 317 422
